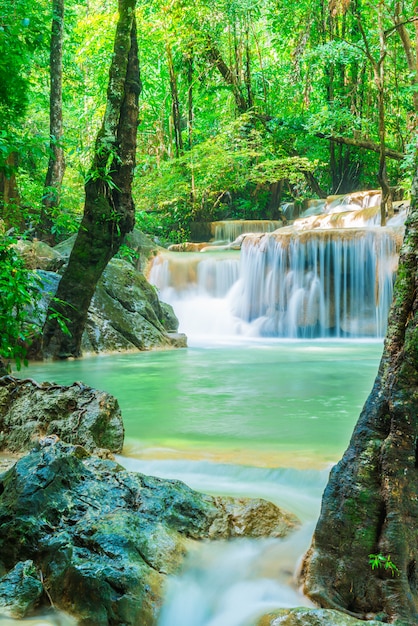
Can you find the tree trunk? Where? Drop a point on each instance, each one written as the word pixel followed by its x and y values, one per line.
pixel 228 75
pixel 363 143
pixel 10 211
pixel 370 504
pixel 175 103
pixel 56 164
pixel 109 210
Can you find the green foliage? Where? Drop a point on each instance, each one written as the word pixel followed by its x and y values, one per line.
pixel 302 71
pixel 377 561
pixel 228 175
pixel 55 314
pixel 20 294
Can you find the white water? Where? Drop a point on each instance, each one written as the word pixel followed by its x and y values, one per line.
pixel 233 583
pixel 278 287
pixel 285 284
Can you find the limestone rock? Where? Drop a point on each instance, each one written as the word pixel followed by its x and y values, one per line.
pixel 312 617
pixel 77 413
pixel 90 525
pixel 126 313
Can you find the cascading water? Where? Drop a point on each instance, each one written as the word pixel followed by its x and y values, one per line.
pixel 290 283
pixel 230 230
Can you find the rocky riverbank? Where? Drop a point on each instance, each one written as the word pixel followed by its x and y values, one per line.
pixel 96 541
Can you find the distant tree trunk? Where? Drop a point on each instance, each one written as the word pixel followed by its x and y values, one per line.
pixel 109 210
pixel 56 164
pixel 370 504
pixel 379 79
pixel 175 102
pixel 190 112
pixel 10 211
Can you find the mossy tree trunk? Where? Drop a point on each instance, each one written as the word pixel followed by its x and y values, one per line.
pixel 109 209
pixel 370 505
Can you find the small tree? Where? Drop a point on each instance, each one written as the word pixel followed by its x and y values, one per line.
pixel 56 164
pixel 109 209
pixel 19 290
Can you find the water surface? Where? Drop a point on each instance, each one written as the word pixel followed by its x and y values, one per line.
pixel 261 402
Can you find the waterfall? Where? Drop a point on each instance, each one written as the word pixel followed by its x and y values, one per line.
pixel 289 283
pixel 229 230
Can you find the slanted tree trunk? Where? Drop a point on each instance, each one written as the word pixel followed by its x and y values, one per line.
pixel 109 209
pixel 228 74
pixel 370 505
pixel 56 164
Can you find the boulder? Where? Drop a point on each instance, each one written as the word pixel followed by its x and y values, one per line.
pixel 312 617
pixel 125 312
pixel 20 590
pixel 38 255
pixel 76 413
pixel 103 539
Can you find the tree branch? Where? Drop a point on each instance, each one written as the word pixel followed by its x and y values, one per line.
pixel 362 143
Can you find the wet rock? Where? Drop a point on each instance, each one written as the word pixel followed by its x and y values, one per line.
pixel 76 413
pixel 38 255
pixel 20 590
pixel 125 312
pixel 105 538
pixel 312 617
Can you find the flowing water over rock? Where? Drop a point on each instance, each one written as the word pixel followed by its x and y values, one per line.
pixel 256 417
pixel 290 283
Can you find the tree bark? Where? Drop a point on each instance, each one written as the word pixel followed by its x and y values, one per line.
pixel 56 164
pixel 370 504
pixel 109 209
pixel 10 210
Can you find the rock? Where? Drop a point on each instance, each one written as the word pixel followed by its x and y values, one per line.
pixel 312 617
pixel 38 255
pixel 77 413
pixel 105 538
pixel 20 590
pixel 125 312
pixel 187 246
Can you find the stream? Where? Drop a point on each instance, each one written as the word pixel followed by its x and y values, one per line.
pixel 242 417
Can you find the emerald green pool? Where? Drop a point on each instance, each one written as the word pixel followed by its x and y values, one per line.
pixel 261 402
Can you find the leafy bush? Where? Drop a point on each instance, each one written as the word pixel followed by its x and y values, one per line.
pixel 19 290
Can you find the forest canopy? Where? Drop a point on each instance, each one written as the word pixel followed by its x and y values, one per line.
pixel 244 105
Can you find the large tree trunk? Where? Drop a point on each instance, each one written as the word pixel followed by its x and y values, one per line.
pixel 370 505
pixel 109 210
pixel 56 164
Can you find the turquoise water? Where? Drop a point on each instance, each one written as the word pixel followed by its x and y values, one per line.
pixel 264 403
pixel 258 418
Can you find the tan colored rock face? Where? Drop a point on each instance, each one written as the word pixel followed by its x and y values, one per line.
pixel 311 617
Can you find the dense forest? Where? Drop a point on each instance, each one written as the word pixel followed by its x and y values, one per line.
pixel 243 106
